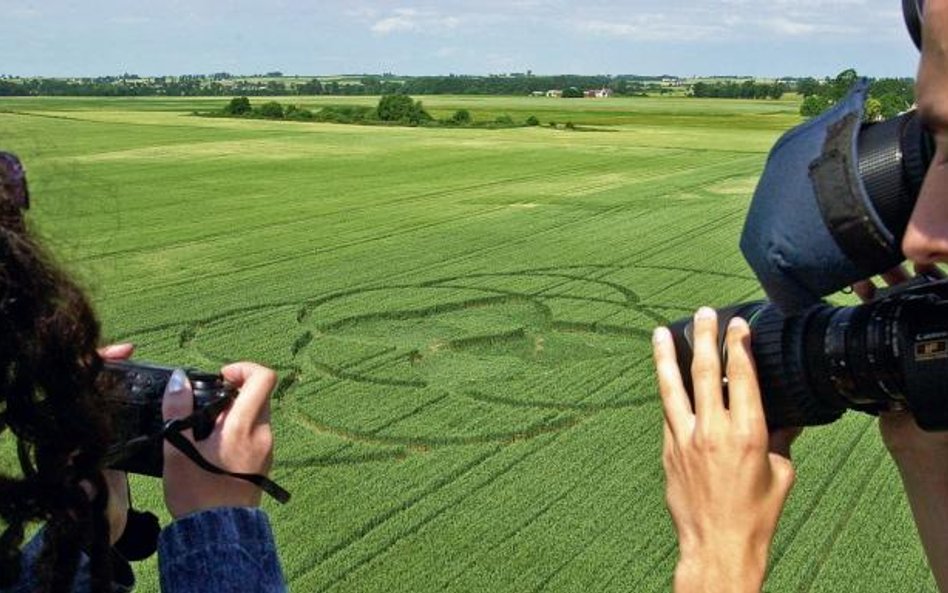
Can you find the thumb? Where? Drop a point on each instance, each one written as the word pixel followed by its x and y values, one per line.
pixel 178 399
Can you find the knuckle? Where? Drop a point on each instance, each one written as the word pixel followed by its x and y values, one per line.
pixel 740 372
pixel 705 365
pixel 748 442
pixel 707 442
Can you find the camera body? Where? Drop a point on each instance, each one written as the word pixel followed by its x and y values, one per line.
pixel 135 390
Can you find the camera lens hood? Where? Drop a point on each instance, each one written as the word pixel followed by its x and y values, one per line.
pixel 804 235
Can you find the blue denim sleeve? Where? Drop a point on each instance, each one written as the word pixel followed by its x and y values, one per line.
pixel 219 551
pixel 123 578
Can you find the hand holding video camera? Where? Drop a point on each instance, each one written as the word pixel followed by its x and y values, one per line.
pixel 832 209
pixel 840 201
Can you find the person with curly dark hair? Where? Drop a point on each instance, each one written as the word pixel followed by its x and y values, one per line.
pixel 51 400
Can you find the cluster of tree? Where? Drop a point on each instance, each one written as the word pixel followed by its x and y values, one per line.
pixel 748 89
pixel 391 109
pixel 887 96
pixel 402 109
pixel 241 107
pixel 366 85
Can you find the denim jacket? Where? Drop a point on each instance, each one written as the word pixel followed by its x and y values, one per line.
pixel 220 550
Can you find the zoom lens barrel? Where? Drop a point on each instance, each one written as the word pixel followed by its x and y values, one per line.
pixel 814 366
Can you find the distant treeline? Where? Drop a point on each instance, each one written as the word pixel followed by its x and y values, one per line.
pixel 178 86
pixel 223 84
pixel 888 96
pixel 747 89
pixel 525 85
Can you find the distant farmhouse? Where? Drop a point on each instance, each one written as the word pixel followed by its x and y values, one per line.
pixel 603 93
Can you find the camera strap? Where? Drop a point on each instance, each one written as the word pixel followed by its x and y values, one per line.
pixel 172 433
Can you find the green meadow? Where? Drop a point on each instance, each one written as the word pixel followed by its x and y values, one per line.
pixel 460 319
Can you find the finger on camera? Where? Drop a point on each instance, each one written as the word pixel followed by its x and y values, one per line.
pixel 706 365
pixel 255 384
pixel 122 351
pixel 178 398
pixel 865 290
pixel 675 404
pixel 743 390
pixel 930 270
pixel 896 275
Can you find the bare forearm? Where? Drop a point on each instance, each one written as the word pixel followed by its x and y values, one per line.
pixel 927 491
pixel 721 572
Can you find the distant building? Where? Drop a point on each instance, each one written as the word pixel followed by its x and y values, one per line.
pixel 556 93
pixel 602 93
pixel 537 94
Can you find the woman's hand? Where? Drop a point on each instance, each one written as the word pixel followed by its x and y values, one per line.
pixel 241 442
pixel 725 486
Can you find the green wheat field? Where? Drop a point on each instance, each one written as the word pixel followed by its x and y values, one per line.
pixel 460 319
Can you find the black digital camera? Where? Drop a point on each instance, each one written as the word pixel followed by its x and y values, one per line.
pixel 135 390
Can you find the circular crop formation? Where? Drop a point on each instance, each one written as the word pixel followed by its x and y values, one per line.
pixel 471 358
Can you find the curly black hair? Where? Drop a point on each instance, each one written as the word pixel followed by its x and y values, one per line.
pixel 50 401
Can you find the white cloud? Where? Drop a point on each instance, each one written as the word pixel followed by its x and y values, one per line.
pixel 652 28
pixel 798 28
pixel 412 20
pixel 733 20
pixel 400 22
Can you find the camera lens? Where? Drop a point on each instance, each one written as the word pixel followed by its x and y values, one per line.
pixel 893 158
pixel 814 366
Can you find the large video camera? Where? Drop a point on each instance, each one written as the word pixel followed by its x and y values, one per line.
pixel 831 209
pixel 813 366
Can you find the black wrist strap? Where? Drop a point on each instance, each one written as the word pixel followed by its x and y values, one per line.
pixel 172 433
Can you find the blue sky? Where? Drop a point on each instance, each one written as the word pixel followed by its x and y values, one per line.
pixel 681 37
